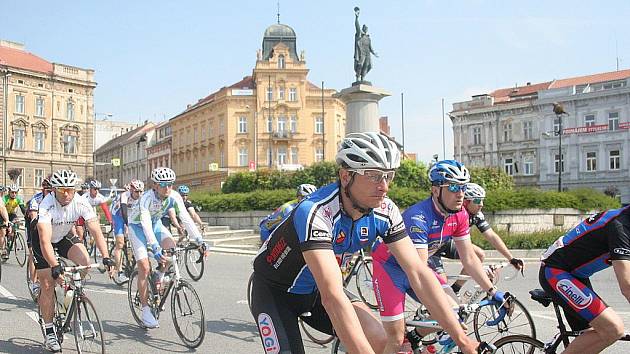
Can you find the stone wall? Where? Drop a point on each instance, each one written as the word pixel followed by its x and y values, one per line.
pixel 517 221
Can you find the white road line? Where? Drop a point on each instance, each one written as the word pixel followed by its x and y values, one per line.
pixel 33 315
pixel 107 291
pixel 6 293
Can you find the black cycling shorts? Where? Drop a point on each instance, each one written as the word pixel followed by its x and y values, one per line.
pixel 276 314
pixel 62 247
pixel 448 250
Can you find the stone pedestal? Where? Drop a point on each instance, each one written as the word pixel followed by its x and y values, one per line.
pixel 362 107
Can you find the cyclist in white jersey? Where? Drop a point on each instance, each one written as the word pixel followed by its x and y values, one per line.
pixel 120 209
pixel 52 230
pixel 146 229
pixel 95 198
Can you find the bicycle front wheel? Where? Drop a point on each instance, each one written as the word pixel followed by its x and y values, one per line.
pixel 194 263
pixel 315 335
pixel 519 344
pixel 187 313
pixel 249 291
pixel 363 280
pixel 519 323
pixel 19 248
pixel 88 332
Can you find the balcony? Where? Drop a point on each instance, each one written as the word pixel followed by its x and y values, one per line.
pixel 282 135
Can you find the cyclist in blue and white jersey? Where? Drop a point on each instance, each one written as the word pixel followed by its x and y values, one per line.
pixel 271 221
pixel 120 209
pixel 146 230
pixel 296 269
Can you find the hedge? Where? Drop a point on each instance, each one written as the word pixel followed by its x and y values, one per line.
pixel 535 240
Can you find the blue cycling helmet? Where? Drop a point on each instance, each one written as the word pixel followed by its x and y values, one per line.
pixel 447 172
pixel 183 189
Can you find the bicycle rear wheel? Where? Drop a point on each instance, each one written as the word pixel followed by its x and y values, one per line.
pixel 195 265
pixel 519 344
pixel 315 335
pixel 133 297
pixel 188 316
pixel 363 280
pixel 19 248
pixel 249 291
pixel 87 328
pixel 124 267
pixel 519 323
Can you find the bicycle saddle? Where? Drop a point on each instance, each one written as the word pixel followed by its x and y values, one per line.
pixel 541 296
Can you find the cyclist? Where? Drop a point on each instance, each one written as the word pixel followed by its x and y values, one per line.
pixel 595 244
pixel 146 230
pixel 12 201
pixel 271 221
pixel 33 207
pixel 84 188
pixel 184 191
pixel 95 198
pixel 4 223
pixel 296 270
pixel 120 210
pixel 473 203
pixel 52 230
pixel 430 223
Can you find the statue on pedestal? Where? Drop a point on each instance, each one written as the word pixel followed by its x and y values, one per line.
pixel 362 50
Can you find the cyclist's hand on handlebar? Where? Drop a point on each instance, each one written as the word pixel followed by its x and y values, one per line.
pixel 157 253
pixel 109 265
pixel 56 271
pixel 518 264
pixel 485 348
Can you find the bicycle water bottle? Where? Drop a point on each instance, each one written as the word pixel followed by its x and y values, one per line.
pixel 466 296
pixel 67 300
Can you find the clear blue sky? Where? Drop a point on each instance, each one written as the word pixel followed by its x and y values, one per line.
pixel 153 57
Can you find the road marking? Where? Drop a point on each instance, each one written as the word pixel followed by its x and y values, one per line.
pixel 107 291
pixel 33 315
pixel 242 302
pixel 6 293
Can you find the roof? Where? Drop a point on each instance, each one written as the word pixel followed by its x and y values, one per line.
pixel 21 59
pixel 591 79
pixel 280 30
pixel 131 135
pixel 247 81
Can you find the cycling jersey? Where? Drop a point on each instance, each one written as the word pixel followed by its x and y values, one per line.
pixel 120 213
pixel 62 218
pixel 271 221
pixel 13 203
pixel 479 220
pixel 593 244
pixel 33 204
pixel 319 222
pixel 99 200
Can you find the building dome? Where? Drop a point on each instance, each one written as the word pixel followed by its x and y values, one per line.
pixel 279 30
pixel 279 33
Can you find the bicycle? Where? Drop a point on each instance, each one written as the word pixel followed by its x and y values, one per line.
pixel 73 307
pixel 128 261
pixel 183 296
pixel 14 242
pixel 193 259
pixel 525 344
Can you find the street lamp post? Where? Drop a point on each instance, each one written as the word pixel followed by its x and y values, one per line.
pixel 559 111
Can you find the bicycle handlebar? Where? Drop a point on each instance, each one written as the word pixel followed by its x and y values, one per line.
pixel 486 348
pixel 503 310
pixel 75 269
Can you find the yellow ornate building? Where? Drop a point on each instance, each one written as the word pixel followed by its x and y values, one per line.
pixel 46 117
pixel 272 119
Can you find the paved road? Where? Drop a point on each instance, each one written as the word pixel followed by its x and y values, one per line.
pixel 230 328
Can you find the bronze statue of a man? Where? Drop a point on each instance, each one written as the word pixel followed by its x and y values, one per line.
pixel 362 49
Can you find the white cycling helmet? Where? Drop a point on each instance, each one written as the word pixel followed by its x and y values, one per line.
pixel 474 191
pixel 303 190
pixel 13 188
pixel 95 184
pixel 368 150
pixel 63 179
pixel 137 184
pixel 163 174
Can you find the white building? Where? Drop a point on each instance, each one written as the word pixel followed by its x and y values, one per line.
pixel 517 130
pixel 106 130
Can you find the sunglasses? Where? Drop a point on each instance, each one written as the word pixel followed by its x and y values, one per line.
pixel 165 184
pixel 477 201
pixel 376 176
pixel 66 190
pixel 454 188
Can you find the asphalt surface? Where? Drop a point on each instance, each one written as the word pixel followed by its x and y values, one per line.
pixel 229 326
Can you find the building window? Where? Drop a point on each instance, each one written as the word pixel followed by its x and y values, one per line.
pixel 591 161
pixel 613 121
pixel 293 124
pixel 508 165
pixel 39 106
pixel 269 157
pixel 39 177
pixel 614 159
pixel 281 62
pixel 477 135
pixel 589 120
pixel 282 155
pixel 528 167
pixel 528 131
pixel 40 138
pixel 556 163
pixel 210 129
pixel 20 178
pixel 70 110
pixel 556 125
pixel 269 93
pixel 507 132
pixel 69 144
pixel 294 155
pixel 319 125
pixel 319 154
pixel 243 159
pixel 242 124
pixel 281 93
pixel 19 104
pixel 292 94
pixel 282 124
pixel 222 158
pixel 18 138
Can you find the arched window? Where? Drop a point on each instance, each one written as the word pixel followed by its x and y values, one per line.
pixel 281 62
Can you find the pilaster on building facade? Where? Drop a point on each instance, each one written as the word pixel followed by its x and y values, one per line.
pixel 46 117
pixel 272 119
pixel 516 129
pixel 159 147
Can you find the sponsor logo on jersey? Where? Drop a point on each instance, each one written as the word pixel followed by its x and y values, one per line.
pixel 420 217
pixel 278 253
pixel 593 218
pixel 268 334
pixel 320 235
pixel 398 228
pixel 416 229
pixel 622 251
pixel 340 237
pixel 328 213
pixel 363 233
pixel 574 294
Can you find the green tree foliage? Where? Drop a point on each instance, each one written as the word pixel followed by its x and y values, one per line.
pixel 412 174
pixel 491 178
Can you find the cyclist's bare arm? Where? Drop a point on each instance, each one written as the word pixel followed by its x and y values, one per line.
pixel 622 271
pixel 323 264
pixel 173 216
pixel 45 233
pixel 4 213
pixel 194 216
pixel 424 254
pixel 95 230
pixel 472 264
pixel 497 243
pixel 429 290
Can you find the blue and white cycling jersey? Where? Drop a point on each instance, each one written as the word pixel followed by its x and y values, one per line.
pixel 319 222
pixel 33 204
